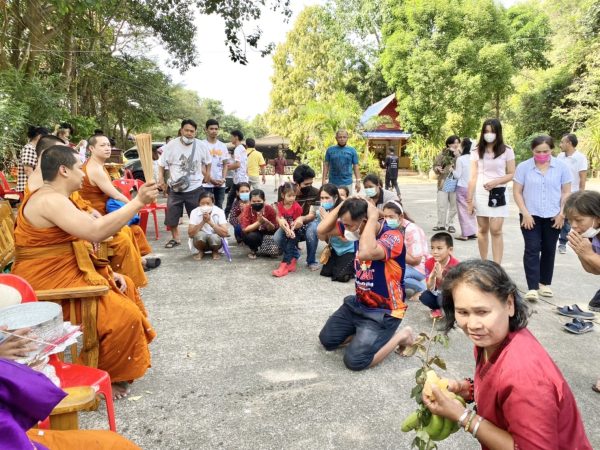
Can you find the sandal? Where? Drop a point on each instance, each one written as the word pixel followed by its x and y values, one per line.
pixel 545 291
pixel 172 243
pixel 439 228
pixel 151 263
pixel 595 388
pixel 462 238
pixel 451 229
pixel 578 326
pixel 532 295
pixel 575 311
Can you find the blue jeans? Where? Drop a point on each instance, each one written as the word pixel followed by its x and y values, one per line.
pixel 371 330
pixel 290 248
pixel 413 279
pixel 308 233
pixel 562 238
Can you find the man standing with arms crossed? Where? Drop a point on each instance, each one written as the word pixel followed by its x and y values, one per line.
pixel 189 163
pixel 215 182
pixel 340 161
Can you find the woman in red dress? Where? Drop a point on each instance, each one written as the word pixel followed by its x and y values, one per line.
pixel 522 399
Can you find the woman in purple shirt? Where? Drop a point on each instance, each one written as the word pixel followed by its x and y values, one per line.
pixel 541 187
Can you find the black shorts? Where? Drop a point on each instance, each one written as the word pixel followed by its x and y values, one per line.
pixel 175 203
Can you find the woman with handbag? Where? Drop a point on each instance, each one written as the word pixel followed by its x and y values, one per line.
pixel 541 187
pixel 338 256
pixel 492 167
pixel 443 166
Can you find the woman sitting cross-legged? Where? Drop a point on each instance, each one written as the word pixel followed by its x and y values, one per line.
pixel 242 198
pixel 207 226
pixel 340 261
pixel 288 210
pixel 257 221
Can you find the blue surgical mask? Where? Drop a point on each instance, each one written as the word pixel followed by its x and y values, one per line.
pixel 244 196
pixel 371 192
pixel 327 205
pixel 392 223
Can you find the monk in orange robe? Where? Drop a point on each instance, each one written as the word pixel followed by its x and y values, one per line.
pixel 97 187
pixel 126 257
pixel 52 251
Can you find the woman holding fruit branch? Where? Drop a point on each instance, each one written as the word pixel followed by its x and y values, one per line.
pixel 523 400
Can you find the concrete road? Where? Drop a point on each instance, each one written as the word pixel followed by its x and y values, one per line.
pixel 237 363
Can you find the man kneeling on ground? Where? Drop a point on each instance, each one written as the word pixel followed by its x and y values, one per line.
pixel 368 321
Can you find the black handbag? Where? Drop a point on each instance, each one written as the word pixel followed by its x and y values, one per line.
pixel 497 197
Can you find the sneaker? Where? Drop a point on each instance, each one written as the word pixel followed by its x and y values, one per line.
pixel 436 314
pixel 562 249
pixel 281 271
pixel 314 267
pixel 532 295
pixel 594 304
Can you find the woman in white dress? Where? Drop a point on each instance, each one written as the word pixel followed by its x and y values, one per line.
pixel 492 167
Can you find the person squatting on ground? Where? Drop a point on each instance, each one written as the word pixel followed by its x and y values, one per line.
pixel 436 268
pixel 541 186
pixel 241 200
pixel 583 211
pixel 468 222
pixel 523 401
pixel 257 221
pixel 578 164
pixel 305 226
pixel 443 166
pixel 338 257
pixel 492 167
pixel 207 227
pixel 340 161
pixel 368 320
pixel 188 161
pixel 216 178
pixel 288 211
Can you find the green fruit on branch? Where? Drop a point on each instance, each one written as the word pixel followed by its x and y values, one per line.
pixel 411 422
pixel 445 431
pixel 435 426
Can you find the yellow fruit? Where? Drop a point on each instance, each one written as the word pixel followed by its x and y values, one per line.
pixel 435 426
pixel 441 383
pixel 410 423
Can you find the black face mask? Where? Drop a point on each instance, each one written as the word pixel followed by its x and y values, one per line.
pixel 257 206
pixel 305 189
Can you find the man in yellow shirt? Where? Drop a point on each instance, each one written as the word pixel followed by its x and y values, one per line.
pixel 256 164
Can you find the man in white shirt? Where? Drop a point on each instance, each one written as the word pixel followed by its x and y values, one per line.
pixel 188 162
pixel 578 165
pixel 207 227
pixel 239 166
pixel 215 183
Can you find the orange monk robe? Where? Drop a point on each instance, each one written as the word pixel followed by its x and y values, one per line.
pixel 98 199
pixel 81 439
pixel 126 258
pixel 123 329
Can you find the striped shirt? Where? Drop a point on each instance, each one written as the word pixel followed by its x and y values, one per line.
pixel 542 192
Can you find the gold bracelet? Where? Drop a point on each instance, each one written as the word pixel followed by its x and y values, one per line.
pixel 468 424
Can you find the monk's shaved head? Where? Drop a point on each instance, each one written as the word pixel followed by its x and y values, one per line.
pixel 46 142
pixel 55 157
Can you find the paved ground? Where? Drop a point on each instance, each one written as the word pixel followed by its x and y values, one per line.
pixel 237 363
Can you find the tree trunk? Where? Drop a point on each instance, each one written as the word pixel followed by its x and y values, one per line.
pixel 497 105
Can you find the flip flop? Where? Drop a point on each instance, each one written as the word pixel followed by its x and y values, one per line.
pixel 574 311
pixel 172 243
pixel 578 326
pixel 462 238
pixel 152 263
pixel 439 228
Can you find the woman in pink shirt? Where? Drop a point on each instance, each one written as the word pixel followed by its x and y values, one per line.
pixel 492 167
pixel 523 401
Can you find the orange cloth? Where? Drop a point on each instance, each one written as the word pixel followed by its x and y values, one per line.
pixel 81 439
pixel 123 328
pixel 97 198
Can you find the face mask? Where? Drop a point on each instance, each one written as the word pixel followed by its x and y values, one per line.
pixel 489 137
pixel 542 157
pixel 371 192
pixel 257 206
pixel 305 190
pixel 392 223
pixel 245 196
pixel 590 233
pixel 205 209
pixel 327 205
pixel 351 235
pixel 187 140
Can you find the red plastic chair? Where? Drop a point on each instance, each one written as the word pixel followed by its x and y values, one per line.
pixel 70 375
pixel 6 189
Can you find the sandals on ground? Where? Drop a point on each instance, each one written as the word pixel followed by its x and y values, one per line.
pixel 545 291
pixel 578 326
pixel 439 228
pixel 575 311
pixel 172 243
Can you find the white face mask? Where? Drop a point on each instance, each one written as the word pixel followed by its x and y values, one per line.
pixel 590 233
pixel 351 235
pixel 187 140
pixel 205 209
pixel 489 137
